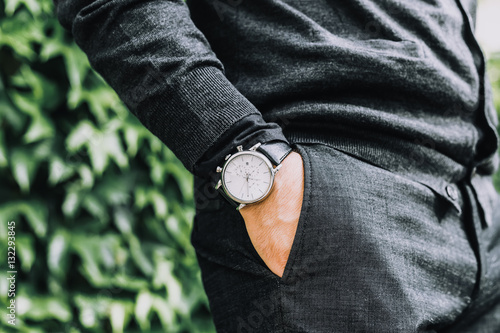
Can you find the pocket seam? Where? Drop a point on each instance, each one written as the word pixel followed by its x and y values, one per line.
pixel 297 243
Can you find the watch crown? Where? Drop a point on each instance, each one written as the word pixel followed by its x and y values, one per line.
pixel 219 169
pixel 227 157
pixel 239 148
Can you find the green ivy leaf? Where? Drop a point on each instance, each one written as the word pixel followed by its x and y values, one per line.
pixel 57 258
pixel 85 247
pixel 114 149
pixel 36 214
pixel 71 203
pixel 123 220
pixel 86 176
pixel 119 315
pixel 40 128
pixel 25 249
pixel 140 258
pixel 95 207
pixel 160 204
pixel 132 140
pixel 165 313
pixel 41 308
pixel 59 171
pixel 23 168
pixel 32 5
pixel 76 67
pixel 3 151
pixel 184 180
pixel 80 136
pixel 143 306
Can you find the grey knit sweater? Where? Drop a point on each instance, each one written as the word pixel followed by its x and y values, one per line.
pixel 207 74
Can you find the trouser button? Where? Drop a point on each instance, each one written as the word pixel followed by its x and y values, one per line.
pixel 452 192
pixel 472 173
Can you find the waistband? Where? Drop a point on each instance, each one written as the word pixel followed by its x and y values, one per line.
pixel 415 161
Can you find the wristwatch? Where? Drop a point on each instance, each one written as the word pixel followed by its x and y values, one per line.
pixel 247 176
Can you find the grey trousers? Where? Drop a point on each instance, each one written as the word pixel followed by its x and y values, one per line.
pixel 374 252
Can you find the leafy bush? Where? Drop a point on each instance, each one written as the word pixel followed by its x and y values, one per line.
pixel 102 209
pixel 494 74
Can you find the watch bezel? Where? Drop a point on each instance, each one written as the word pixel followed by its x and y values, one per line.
pixel 258 155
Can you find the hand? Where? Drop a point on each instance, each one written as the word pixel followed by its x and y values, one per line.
pixel 271 224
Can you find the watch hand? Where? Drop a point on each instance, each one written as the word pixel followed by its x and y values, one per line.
pixel 241 190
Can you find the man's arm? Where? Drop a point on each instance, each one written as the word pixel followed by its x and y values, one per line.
pixel 163 68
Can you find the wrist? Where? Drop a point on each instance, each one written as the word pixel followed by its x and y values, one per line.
pixel 285 184
pixel 249 176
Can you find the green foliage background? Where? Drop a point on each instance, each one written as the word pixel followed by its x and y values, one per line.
pixel 103 209
pixel 494 75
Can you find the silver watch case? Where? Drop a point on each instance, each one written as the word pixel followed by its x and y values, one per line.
pixel 252 152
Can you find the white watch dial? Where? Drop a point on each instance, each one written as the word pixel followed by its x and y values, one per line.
pixel 247 177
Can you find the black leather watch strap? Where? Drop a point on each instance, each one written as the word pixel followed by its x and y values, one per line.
pixel 275 151
pixel 225 196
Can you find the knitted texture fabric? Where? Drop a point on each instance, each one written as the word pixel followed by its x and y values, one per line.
pixel 192 71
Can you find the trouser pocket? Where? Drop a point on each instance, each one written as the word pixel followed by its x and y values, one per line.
pixel 220 234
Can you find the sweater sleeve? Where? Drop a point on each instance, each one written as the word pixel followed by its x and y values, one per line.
pixel 162 67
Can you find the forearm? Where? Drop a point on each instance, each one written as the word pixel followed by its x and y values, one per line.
pixel 162 67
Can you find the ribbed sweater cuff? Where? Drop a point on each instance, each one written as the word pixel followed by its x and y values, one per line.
pixel 197 108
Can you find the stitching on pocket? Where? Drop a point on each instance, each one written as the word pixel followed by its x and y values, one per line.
pixel 297 244
pixel 357 157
